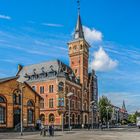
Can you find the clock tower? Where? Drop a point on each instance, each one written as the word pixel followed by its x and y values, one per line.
pixel 79 53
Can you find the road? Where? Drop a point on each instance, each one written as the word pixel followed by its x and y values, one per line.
pixel 112 134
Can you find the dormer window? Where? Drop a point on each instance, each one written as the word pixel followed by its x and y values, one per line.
pixel 81 47
pixel 16 97
pixel 41 89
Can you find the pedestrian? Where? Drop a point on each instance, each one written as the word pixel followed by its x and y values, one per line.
pixel 88 126
pixel 82 126
pixel 38 124
pixel 50 130
pixel 41 129
pixel 101 126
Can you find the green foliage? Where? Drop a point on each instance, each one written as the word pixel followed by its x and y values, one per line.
pixel 104 107
pixel 137 114
pixel 132 118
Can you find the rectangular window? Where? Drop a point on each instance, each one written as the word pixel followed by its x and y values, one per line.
pixel 50 88
pixel 42 103
pixel 50 103
pixel 72 104
pixel 41 89
pixel 30 116
pixel 2 115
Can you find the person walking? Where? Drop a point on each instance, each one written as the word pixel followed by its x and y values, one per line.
pixel 50 130
pixel 41 129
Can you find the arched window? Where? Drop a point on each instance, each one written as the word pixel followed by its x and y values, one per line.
pixel 17 97
pixel 2 100
pixel 51 118
pixel 85 106
pixel 81 47
pixel 78 119
pixel 30 111
pixel 73 90
pixel 61 86
pixel 42 118
pixel 2 110
pixel 86 119
pixel 67 103
pixel 30 103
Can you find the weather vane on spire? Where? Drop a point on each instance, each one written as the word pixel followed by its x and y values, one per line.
pixel 78 5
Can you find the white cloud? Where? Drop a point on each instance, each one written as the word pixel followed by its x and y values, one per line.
pixel 52 25
pixel 5 17
pixel 92 35
pixel 102 62
pixel 40 43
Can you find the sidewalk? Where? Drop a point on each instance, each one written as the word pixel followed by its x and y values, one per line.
pixel 57 135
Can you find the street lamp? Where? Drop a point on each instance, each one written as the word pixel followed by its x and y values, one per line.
pixel 21 80
pixel 92 104
pixel 117 115
pixel 69 95
pixel 107 108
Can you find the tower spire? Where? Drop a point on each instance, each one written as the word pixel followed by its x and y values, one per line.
pixel 79 29
pixel 78 6
pixel 123 106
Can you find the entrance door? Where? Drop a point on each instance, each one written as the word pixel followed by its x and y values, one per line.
pixel 16 117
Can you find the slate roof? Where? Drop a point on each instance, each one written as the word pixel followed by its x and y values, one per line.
pixel 7 79
pixel 48 70
pixel 79 29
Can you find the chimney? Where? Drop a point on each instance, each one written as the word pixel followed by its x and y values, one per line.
pixel 19 67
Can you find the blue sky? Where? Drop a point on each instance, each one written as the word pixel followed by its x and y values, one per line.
pixel 32 31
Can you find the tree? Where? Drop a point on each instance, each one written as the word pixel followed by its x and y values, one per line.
pixel 105 109
pixel 132 118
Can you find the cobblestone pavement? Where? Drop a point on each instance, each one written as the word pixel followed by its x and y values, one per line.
pixel 112 134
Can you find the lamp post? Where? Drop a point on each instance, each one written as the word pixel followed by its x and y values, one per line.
pixel 62 122
pixel 92 105
pixel 21 80
pixel 107 108
pixel 69 95
pixel 117 116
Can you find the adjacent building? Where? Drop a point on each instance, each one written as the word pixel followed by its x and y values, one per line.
pixel 10 103
pixel 119 114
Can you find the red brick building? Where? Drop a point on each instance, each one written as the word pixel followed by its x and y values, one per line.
pixel 53 80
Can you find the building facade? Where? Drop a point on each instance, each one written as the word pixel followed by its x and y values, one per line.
pixel 10 103
pixel 119 115
pixel 53 80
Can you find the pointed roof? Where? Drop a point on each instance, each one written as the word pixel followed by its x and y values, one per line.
pixel 123 106
pixel 79 29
